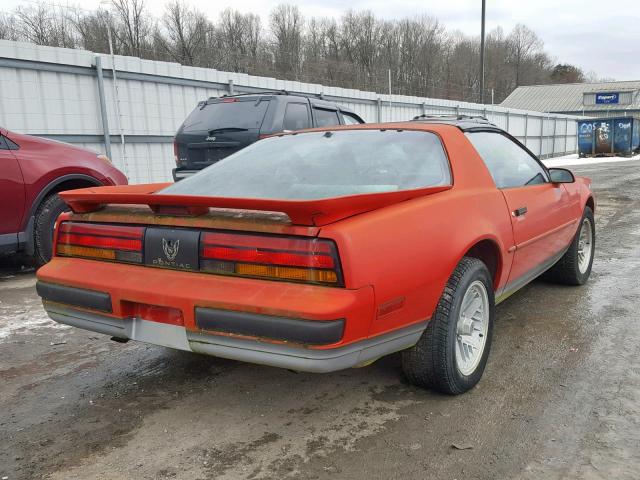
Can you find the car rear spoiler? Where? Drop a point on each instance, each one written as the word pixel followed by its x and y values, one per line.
pixel 300 212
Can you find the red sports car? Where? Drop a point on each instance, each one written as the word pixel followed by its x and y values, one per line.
pixel 327 249
pixel 33 170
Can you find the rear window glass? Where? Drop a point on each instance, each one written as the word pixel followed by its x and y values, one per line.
pixel 244 114
pixel 317 165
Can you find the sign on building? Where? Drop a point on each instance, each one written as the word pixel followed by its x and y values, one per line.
pixel 607 98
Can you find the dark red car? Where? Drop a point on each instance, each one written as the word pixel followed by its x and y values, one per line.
pixel 32 171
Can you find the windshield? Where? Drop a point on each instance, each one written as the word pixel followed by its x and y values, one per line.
pixel 324 164
pixel 226 114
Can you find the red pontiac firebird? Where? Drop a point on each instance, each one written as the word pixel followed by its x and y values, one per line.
pixel 327 249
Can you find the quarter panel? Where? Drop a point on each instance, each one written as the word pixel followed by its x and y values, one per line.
pixel 408 251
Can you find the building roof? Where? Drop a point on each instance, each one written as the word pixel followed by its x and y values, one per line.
pixel 569 97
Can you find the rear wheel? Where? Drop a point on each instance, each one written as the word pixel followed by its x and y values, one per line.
pixel 452 353
pixel 575 265
pixel 45 220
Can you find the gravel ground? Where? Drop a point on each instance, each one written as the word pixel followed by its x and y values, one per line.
pixel 560 397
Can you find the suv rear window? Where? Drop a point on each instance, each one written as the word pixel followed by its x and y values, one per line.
pixel 324 164
pixel 229 113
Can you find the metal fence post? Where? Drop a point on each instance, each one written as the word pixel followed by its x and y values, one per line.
pixel 508 121
pixel 541 134
pixel 379 110
pixel 566 134
pixel 553 142
pixel 424 108
pixel 526 128
pixel 230 87
pixel 103 108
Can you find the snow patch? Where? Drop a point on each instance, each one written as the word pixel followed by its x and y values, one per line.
pixel 573 159
pixel 24 321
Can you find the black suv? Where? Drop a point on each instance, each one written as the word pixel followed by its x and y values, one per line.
pixel 221 126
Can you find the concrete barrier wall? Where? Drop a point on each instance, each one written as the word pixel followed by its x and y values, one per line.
pixel 56 93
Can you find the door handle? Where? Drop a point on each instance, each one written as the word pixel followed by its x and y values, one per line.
pixel 518 212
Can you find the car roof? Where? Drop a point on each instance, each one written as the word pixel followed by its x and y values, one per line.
pixel 317 99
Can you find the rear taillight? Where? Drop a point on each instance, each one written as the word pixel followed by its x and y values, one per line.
pixel 293 259
pixel 104 242
pixel 308 260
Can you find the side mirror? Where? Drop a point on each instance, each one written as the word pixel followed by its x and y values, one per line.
pixel 561 175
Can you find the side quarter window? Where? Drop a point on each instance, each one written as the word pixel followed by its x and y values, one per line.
pixel 325 118
pixel 349 119
pixel 3 144
pixel 296 117
pixel 509 164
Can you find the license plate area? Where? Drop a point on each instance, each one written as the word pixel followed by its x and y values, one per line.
pixel 172 336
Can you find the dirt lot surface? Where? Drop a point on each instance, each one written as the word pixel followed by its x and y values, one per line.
pixel 560 397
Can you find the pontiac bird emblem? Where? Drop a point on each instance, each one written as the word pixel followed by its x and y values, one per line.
pixel 170 248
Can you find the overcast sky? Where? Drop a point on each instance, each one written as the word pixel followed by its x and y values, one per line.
pixel 596 35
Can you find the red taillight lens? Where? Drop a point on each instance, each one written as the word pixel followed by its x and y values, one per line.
pixel 309 260
pixel 104 242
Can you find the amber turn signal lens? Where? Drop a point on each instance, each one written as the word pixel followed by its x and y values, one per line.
pixel 287 273
pixel 75 251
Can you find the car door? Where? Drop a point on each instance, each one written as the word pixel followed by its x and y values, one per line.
pixel 12 194
pixel 542 216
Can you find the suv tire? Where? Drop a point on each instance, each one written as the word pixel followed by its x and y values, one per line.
pixel 45 220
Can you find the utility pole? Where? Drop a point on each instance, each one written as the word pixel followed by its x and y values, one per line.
pixel 116 96
pixel 482 53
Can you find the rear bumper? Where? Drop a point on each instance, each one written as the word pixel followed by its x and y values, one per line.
pixel 242 349
pixel 246 324
pixel 297 326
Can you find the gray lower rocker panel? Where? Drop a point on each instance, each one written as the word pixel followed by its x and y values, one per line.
pixel 276 355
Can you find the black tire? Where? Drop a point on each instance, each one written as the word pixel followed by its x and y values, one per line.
pixel 431 363
pixel 45 219
pixel 567 271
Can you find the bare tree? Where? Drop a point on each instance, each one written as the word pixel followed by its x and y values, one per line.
pixel 523 45
pixel 7 26
pixel 185 33
pixel 44 25
pixel 286 25
pixel 239 39
pixel 133 27
pixel 92 29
